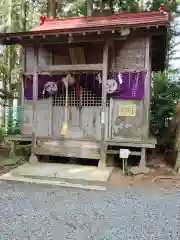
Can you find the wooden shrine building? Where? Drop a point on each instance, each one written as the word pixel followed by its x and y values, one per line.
pixel 86 83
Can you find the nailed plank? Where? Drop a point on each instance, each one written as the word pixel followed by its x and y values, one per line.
pixel 74 67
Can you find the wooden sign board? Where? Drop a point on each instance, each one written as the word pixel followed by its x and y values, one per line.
pixel 127 110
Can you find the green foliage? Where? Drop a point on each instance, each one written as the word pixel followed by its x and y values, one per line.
pixel 125 6
pixel 165 95
pixel 11 126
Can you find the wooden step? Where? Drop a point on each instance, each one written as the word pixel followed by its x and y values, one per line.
pixel 69 148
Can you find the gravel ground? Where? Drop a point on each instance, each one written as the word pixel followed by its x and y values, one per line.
pixel 42 212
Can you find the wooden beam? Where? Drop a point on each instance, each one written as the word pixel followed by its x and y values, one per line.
pixel 121 70
pixel 64 40
pixel 26 38
pixel 102 162
pixel 112 55
pixel 77 67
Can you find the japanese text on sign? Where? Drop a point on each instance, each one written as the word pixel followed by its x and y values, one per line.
pixel 127 110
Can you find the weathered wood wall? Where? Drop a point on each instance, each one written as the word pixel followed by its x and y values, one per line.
pixel 43 117
pixel 123 126
pixel 60 55
pixel 44 58
pixel 81 124
pixel 84 124
pixel 131 54
pixel 92 52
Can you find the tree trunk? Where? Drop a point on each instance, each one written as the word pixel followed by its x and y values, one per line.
pixel 89 7
pixel 9 88
pixel 111 6
pixel 141 5
pixel 4 87
pixel 9 69
pixel 23 15
pixel 52 7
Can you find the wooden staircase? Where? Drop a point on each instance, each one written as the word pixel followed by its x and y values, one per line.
pixel 69 148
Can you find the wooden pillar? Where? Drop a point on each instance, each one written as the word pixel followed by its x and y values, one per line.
pixel 33 158
pixel 142 162
pixel 102 162
pixel 147 95
pixel 21 105
pixel 12 152
pixel 147 89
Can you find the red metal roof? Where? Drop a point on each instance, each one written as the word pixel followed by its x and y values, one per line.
pixel 102 22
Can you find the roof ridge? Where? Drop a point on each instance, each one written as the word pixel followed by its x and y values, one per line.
pixel 113 16
pixel 97 22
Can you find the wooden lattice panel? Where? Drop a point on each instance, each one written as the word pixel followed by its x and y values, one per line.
pixel 87 98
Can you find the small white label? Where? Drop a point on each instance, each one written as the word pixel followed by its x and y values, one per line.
pixel 102 117
pixel 124 153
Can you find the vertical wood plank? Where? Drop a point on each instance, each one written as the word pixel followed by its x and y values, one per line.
pixel 51 116
pixel 35 97
pixel 147 90
pixel 51 107
pixel 102 162
pixel 21 104
pixel 110 118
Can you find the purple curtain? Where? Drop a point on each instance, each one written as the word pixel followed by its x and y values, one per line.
pixel 126 85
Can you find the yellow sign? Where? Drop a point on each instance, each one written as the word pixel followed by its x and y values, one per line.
pixel 127 110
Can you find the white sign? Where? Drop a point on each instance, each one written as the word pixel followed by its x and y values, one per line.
pixel 124 153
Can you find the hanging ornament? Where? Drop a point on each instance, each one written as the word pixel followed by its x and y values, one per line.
pixel 120 78
pixel 71 80
pixel 112 86
pixel 42 19
pixel 51 88
pixel 98 78
pixel 161 8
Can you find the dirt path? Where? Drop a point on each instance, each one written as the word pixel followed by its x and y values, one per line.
pixel 151 180
pixel 118 181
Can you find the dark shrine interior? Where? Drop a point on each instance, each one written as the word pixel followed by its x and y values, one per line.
pixel 158 50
